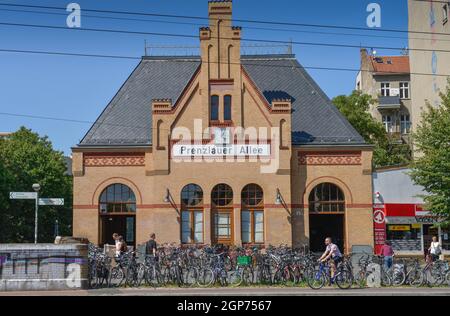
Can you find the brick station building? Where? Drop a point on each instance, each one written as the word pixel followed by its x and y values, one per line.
pixel 223 148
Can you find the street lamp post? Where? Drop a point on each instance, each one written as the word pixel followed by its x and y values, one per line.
pixel 36 188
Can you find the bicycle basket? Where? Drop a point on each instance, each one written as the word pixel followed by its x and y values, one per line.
pixel 244 260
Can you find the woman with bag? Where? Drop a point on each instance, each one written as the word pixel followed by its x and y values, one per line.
pixel 435 249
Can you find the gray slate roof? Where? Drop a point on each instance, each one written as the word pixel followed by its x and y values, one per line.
pixel 127 118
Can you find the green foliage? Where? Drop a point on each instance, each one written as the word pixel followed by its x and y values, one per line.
pixel 432 166
pixel 27 158
pixel 355 108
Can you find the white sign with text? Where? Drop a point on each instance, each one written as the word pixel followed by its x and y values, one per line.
pixel 212 150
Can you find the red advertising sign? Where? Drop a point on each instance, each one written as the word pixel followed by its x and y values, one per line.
pixel 379 226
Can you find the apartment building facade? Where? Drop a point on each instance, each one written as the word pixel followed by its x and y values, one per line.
pixel 387 80
pixel 429 43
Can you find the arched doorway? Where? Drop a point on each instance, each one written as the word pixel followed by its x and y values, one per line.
pixel 326 216
pixel 252 215
pixel 222 214
pixel 117 208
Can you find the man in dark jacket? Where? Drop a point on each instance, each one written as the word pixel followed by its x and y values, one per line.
pixel 151 247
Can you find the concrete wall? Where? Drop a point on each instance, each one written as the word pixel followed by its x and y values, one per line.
pixel 396 187
pixel 30 267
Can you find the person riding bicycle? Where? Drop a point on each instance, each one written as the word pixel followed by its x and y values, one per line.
pixel 332 254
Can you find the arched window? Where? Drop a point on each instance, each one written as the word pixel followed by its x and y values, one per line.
pixel 326 198
pixel 227 108
pixel 117 198
pixel 252 215
pixel 214 111
pixel 192 214
pixel 252 195
pixel 222 211
pixel 192 195
pixel 222 195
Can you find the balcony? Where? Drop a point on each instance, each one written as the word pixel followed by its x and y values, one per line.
pixel 388 103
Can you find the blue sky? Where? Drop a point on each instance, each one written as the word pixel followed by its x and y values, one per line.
pixel 79 88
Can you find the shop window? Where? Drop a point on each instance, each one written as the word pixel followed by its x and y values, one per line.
pixel 326 198
pixel 192 215
pixel 252 215
pixel 405 237
pixel 227 108
pixel 117 198
pixel 214 115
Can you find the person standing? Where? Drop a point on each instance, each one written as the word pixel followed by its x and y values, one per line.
pixel 151 246
pixel 387 252
pixel 435 249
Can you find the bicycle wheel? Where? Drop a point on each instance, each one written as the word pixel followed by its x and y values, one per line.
pixel 316 279
pixel 190 276
pixel 416 278
pixel 344 279
pixel 361 279
pixel 140 274
pixel 131 278
pixel 92 279
pixel 205 277
pixel 153 276
pixel 398 277
pixel 235 277
pixel 386 279
pixel 447 278
pixel 247 276
pixel 116 277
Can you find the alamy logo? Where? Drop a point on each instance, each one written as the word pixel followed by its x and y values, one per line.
pixel 74 18
pixel 374 18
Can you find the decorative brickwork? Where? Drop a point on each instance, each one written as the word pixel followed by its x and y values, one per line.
pixel 116 160
pixel 330 159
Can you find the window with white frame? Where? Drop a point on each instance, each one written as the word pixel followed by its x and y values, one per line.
pixel 387 122
pixel 404 90
pixel 385 89
pixel 405 124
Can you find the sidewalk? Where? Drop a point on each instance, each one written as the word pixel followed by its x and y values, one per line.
pixel 241 292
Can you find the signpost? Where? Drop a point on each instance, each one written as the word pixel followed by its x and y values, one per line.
pixel 43 202
pixel 23 195
pixel 51 202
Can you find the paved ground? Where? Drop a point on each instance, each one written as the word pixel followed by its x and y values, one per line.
pixel 242 292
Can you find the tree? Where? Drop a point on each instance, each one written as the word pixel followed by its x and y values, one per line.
pixel 355 108
pixel 432 166
pixel 27 158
